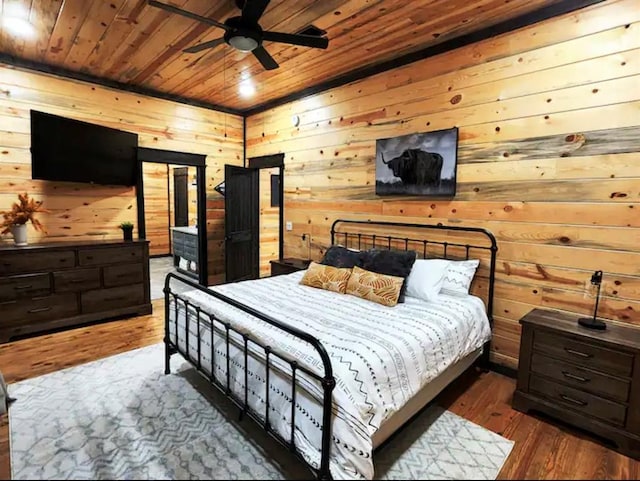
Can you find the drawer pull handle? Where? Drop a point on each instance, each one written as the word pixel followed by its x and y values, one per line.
pixel 21 288
pixel 577 402
pixel 578 353
pixel 76 281
pixel 39 309
pixel 568 375
pixel 89 258
pixel 113 299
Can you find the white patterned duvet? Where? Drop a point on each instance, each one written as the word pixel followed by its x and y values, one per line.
pixel 381 357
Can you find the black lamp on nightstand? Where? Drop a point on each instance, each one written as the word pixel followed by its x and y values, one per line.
pixel 594 323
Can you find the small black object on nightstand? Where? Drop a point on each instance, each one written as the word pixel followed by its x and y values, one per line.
pixel 594 322
pixel 288 265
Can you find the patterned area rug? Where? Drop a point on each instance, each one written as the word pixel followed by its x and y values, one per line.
pixel 122 418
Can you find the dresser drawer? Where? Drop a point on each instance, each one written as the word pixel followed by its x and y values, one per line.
pixel 587 355
pixel 113 298
pixel 588 404
pixel 116 255
pixel 581 378
pixel 30 285
pixel 33 261
pixel 27 311
pixel 76 280
pixel 123 275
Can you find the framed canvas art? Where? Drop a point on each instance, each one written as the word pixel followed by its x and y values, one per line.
pixel 418 164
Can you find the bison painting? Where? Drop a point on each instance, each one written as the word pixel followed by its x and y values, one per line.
pixel 418 164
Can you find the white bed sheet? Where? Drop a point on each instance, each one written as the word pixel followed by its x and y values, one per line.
pixel 381 357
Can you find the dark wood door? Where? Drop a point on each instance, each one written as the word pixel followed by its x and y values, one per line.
pixel 181 196
pixel 241 204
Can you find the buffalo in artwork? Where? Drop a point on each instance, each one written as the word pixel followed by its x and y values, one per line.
pixel 417 167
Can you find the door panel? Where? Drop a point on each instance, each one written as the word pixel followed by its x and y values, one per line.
pixel 241 223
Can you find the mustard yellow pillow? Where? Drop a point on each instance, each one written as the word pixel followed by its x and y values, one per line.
pixel 328 278
pixel 375 287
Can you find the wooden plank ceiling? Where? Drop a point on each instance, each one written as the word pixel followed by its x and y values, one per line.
pixel 133 43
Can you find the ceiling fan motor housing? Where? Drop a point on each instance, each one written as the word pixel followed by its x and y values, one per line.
pixel 241 36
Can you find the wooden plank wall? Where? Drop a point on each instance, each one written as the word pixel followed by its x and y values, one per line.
pixel 84 211
pixel 269 223
pixel 155 179
pixel 549 124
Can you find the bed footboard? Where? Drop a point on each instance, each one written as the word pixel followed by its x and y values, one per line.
pixel 241 341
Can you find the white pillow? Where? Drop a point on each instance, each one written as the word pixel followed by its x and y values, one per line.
pixel 426 278
pixel 458 276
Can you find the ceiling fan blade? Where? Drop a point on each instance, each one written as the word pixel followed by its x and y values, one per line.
pixel 253 10
pixel 296 39
pixel 204 45
pixel 185 13
pixel 266 60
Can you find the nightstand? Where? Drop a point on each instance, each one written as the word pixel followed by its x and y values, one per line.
pixel 288 265
pixel 588 378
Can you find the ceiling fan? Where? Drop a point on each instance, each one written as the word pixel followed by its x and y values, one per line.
pixel 244 33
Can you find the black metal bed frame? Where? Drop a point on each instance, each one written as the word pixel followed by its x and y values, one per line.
pixel 326 379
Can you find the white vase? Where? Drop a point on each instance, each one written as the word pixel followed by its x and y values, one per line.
pixel 19 232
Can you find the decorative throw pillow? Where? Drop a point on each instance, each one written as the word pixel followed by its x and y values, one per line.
pixel 326 277
pixel 338 256
pixel 375 287
pixel 426 278
pixel 458 277
pixel 391 263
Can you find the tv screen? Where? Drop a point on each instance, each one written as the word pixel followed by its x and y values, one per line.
pixel 69 150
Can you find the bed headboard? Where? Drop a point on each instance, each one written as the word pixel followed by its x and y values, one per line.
pixel 429 241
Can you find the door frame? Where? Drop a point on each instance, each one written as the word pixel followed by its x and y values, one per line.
pixel 199 161
pixel 268 162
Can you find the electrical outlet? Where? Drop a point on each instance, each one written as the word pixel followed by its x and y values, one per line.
pixel 289 225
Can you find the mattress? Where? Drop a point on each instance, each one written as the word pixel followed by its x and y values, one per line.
pixel 381 357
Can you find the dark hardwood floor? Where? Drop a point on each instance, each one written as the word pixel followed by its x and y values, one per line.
pixel 543 449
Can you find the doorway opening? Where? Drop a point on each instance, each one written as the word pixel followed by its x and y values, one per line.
pixel 254 214
pixel 171 198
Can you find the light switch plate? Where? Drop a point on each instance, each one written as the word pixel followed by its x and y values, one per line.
pixel 289 225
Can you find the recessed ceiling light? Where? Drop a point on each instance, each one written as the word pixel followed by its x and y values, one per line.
pixel 18 27
pixel 246 89
pixel 15 20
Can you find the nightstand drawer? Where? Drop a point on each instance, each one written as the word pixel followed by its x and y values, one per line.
pixel 581 378
pixel 589 404
pixel 587 355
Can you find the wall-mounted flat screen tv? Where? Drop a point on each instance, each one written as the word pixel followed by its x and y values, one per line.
pixel 69 150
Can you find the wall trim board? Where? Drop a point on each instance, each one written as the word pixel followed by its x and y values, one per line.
pixel 12 61
pixel 539 15
pixel 504 370
pixel 161 156
pixel 244 141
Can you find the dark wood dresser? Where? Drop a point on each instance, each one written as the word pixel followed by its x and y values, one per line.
pixel 288 265
pixel 588 378
pixel 48 286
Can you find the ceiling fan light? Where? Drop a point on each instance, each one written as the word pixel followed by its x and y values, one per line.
pixel 242 43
